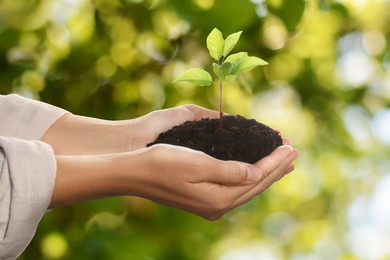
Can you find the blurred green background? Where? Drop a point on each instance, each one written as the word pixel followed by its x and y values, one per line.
pixel 327 88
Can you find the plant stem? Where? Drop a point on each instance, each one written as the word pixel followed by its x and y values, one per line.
pixel 220 104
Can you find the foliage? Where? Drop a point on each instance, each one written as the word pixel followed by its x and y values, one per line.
pixel 226 67
pixel 326 87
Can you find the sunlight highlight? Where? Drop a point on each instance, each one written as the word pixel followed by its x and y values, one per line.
pixel 381 126
pixel 368 216
pixel 54 246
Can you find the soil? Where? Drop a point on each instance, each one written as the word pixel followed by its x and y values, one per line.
pixel 239 139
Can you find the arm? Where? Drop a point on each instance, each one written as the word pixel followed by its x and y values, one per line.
pixel 78 135
pixel 174 176
pixel 170 175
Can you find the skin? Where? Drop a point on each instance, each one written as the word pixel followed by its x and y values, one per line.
pixel 99 159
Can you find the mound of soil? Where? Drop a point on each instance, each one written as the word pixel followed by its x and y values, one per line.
pixel 239 139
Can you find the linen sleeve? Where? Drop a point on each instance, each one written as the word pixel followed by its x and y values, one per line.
pixel 27 170
pixel 26 118
pixel 27 174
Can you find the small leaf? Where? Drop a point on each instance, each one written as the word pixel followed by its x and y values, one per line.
pixel 215 43
pixel 230 42
pixel 241 62
pixel 250 63
pixel 236 56
pixel 222 70
pixel 231 77
pixel 195 76
pixel 236 59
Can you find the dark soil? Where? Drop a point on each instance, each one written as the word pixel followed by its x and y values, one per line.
pixel 239 139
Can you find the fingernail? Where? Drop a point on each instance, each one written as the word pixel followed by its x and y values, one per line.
pixel 254 173
pixel 294 154
pixel 286 150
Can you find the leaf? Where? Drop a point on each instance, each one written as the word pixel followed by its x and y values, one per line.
pixel 230 42
pixel 195 76
pixel 241 62
pixel 231 77
pixel 222 70
pixel 249 63
pixel 215 44
pixel 236 59
pixel 236 56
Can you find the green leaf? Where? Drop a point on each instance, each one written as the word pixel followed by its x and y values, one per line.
pixel 236 59
pixel 230 42
pixel 236 56
pixel 195 76
pixel 215 44
pixel 222 70
pixel 231 77
pixel 241 62
pixel 249 63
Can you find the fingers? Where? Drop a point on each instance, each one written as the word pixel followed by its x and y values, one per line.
pixel 226 173
pixel 209 187
pixel 272 169
pixel 285 167
pixel 276 165
pixel 271 162
pixel 234 173
pixel 286 141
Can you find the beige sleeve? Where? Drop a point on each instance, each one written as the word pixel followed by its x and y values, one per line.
pixel 27 170
pixel 25 118
pixel 27 174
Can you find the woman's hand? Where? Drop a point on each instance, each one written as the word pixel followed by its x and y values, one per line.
pixel 145 129
pixel 78 135
pixel 103 158
pixel 170 175
pixel 192 181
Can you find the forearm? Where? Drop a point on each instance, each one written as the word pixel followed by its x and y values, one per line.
pixel 78 135
pixel 91 177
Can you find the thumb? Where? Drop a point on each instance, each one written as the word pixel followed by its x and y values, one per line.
pixel 233 173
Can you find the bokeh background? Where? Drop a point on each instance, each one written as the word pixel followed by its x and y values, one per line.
pixel 327 88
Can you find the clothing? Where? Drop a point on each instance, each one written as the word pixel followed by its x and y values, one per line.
pixel 27 170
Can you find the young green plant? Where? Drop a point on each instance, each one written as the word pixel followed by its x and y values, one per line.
pixel 226 67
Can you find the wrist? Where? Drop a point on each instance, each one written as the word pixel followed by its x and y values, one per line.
pixel 130 173
pixel 82 178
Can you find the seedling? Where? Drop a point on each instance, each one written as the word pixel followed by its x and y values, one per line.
pixel 226 67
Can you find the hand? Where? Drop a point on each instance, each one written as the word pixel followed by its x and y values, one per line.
pixel 197 183
pixel 174 176
pixel 78 135
pixel 145 129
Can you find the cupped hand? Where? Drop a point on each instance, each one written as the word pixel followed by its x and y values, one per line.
pixel 175 176
pixel 80 135
pixel 145 129
pixel 195 182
